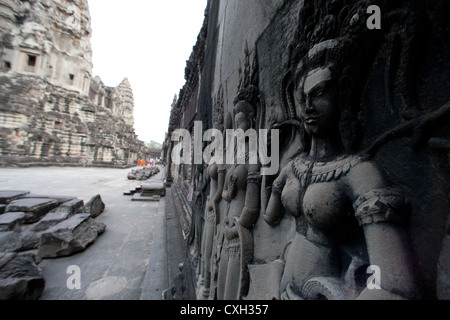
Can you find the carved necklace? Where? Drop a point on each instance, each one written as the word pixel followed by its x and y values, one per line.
pixel 309 172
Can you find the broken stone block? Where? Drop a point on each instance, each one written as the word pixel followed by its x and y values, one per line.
pixel 73 206
pixel 59 214
pixel 70 236
pixel 61 199
pixel 6 196
pixel 50 220
pixel 153 188
pixel 10 241
pixel 34 208
pixel 11 221
pixel 5 257
pixel 18 240
pixel 95 206
pixel 30 240
pixel 20 277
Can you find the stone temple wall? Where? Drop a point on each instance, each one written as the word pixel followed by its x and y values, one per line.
pixel 52 110
pixel 359 206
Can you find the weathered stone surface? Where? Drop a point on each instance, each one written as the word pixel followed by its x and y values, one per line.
pixel 31 236
pixel 5 257
pixel 11 221
pixel 62 231
pixel 29 239
pixel 10 241
pixel 20 277
pixel 18 238
pixel 34 208
pixel 28 230
pixel 72 206
pixel 60 199
pixel 70 236
pixel 95 206
pixel 59 214
pixel 6 196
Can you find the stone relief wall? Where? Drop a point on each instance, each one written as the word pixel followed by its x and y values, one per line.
pixel 359 206
pixel 51 108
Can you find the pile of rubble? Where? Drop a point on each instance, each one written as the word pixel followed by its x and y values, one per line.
pixel 35 227
pixel 151 190
pixel 143 173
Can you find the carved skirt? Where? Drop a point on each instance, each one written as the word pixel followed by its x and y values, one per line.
pixel 208 241
pixel 229 270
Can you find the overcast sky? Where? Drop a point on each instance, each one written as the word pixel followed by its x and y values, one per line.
pixel 148 42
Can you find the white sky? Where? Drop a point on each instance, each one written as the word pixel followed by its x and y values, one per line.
pixel 148 42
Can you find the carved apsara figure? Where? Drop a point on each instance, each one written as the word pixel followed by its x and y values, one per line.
pixel 212 216
pixel 347 215
pixel 242 194
pixel 215 175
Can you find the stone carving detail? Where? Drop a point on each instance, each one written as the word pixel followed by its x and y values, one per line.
pixel 363 122
pixel 321 187
pixel 215 174
pixel 241 193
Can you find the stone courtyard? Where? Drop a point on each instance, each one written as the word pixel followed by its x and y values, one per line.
pixel 115 265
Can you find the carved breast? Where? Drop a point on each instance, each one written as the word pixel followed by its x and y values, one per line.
pixel 318 191
pixel 240 177
pixel 325 205
pixel 236 180
pixel 291 197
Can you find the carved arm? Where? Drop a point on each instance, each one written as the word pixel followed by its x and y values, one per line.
pixel 275 209
pixel 250 213
pixel 220 181
pixel 381 213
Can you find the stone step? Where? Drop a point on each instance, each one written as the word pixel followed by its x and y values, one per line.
pixel 152 198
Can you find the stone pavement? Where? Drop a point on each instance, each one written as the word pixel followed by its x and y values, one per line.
pixel 128 261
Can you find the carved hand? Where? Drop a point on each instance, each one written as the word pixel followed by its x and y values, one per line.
pixel 231 233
